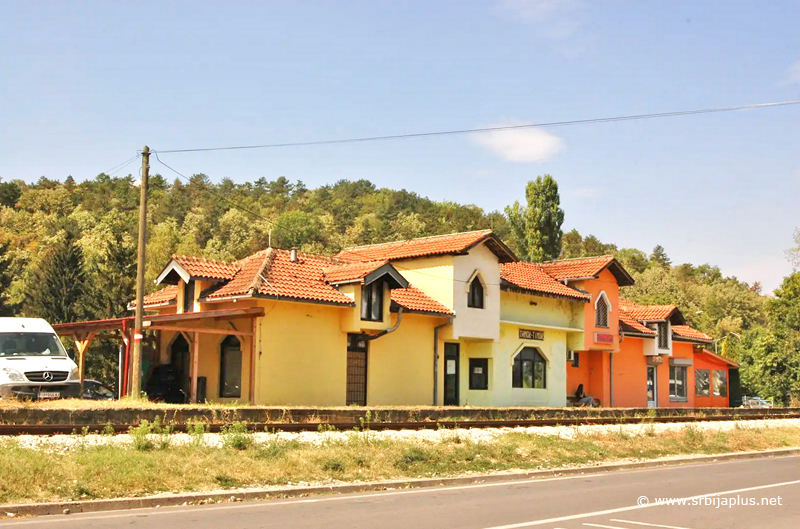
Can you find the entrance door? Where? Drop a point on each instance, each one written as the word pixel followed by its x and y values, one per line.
pixel 357 347
pixel 179 357
pixel 652 387
pixel 451 372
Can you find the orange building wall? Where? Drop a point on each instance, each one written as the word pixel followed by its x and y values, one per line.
pixel 607 283
pixel 704 361
pixel 630 374
pixel 578 375
pixel 679 350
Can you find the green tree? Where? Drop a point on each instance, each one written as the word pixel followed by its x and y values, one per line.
pixel 9 193
pixel 57 290
pixel 659 256
pixel 6 307
pixel 571 245
pixel 536 228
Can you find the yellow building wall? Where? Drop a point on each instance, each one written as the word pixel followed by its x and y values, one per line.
pixel 303 355
pixel 400 364
pixel 433 275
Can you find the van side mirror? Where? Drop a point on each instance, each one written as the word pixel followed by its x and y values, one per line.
pixel 71 353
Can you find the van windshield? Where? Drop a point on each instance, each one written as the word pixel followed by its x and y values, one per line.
pixel 30 344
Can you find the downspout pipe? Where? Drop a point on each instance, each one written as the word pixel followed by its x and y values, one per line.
pixel 436 359
pixel 390 329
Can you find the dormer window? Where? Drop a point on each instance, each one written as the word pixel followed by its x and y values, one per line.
pixel 601 311
pixel 188 297
pixel 372 301
pixel 475 294
pixel 663 337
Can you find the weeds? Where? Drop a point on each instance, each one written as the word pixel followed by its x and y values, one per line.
pixel 196 431
pixel 237 436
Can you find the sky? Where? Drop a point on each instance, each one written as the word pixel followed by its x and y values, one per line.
pixel 84 85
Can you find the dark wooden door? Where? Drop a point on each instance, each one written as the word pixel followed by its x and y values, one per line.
pixel 451 374
pixel 357 347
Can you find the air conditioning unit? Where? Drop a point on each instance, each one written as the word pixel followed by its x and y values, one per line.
pixel 570 355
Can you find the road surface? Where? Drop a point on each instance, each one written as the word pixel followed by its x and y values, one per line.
pixel 610 500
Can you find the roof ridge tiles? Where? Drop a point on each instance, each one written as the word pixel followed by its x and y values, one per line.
pixel 487 231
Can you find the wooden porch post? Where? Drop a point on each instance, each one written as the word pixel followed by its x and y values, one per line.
pixel 252 392
pixel 195 366
pixel 82 342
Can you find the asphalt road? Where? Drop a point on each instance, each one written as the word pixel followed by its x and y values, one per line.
pixel 591 501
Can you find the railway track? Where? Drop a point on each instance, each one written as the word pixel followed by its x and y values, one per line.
pixel 55 429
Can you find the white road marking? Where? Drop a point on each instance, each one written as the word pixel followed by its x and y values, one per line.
pixel 604 526
pixel 648 524
pixel 636 507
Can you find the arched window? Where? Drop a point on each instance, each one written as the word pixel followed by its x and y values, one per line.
pixel 230 368
pixel 530 369
pixel 601 311
pixel 475 296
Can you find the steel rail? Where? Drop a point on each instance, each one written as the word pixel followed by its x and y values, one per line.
pixel 55 429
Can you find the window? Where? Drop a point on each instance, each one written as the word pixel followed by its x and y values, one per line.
pixel 663 337
pixel 576 359
pixel 677 383
pixel 230 368
pixel 188 297
pixel 372 301
pixel 475 296
pixel 529 369
pixel 720 383
pixel 601 312
pixel 702 382
pixel 478 373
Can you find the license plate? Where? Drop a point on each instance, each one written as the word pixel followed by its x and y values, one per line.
pixel 50 395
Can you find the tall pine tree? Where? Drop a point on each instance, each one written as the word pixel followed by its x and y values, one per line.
pixel 536 228
pixel 57 287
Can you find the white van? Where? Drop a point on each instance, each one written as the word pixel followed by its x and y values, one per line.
pixel 33 362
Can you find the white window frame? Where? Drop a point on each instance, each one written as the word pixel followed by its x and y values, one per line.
pixel 602 295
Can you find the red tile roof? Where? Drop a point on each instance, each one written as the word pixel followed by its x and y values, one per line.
pixel 340 273
pixel 577 268
pixel 415 300
pixel 647 312
pixel 531 276
pixel 631 322
pixel 454 243
pixel 159 297
pixel 206 268
pixel 684 331
pixel 300 280
pixel 245 280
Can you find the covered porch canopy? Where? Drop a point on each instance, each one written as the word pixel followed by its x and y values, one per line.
pixel 190 324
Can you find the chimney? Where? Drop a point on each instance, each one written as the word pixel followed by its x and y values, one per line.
pixel 293 255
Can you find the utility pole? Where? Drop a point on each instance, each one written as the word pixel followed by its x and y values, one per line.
pixel 136 382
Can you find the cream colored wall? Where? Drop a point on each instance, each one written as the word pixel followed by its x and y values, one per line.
pixel 472 322
pixel 433 275
pixel 555 312
pixel 303 355
pixel 400 364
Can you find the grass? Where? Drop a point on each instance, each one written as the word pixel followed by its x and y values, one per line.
pixel 154 465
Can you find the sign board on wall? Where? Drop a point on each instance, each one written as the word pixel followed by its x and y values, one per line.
pixel 527 334
pixel 655 360
pixel 601 337
pixel 451 367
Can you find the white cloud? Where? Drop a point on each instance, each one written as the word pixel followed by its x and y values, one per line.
pixel 555 19
pixel 521 145
pixel 793 74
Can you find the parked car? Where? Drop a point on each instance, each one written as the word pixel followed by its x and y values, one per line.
pixel 33 362
pixel 755 402
pixel 94 390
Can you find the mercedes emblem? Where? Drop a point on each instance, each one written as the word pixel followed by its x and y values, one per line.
pixel 47 376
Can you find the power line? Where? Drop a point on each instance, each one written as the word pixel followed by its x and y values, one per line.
pixel 125 165
pixel 215 194
pixel 121 165
pixel 493 129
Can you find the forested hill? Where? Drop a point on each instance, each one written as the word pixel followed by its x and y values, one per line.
pixel 68 250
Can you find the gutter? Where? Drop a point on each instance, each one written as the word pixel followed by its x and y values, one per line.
pixel 436 358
